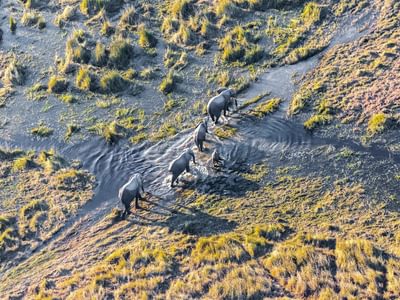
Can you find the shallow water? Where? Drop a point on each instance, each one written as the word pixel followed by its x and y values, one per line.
pixel 258 140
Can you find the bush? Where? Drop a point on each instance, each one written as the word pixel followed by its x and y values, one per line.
pixel 314 121
pixel 168 83
pixel 121 52
pixel 75 48
pixel 57 84
pixel 112 82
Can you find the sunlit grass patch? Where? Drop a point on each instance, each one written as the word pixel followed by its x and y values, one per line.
pixel 316 120
pixel 112 82
pixel 121 52
pixel 376 123
pixel 42 130
pixel 225 131
pixel 168 83
pixel 57 84
pixel 266 108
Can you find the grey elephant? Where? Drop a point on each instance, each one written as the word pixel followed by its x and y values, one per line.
pixel 216 159
pixel 199 134
pixel 129 191
pixel 220 103
pixel 181 164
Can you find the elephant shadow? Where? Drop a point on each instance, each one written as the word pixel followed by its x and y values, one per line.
pixel 184 219
pixel 196 222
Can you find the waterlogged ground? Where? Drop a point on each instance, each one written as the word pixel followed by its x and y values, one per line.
pixel 292 213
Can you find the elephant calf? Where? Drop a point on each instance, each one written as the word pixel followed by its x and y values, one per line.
pixel 200 135
pixel 129 191
pixel 181 164
pixel 216 159
pixel 220 103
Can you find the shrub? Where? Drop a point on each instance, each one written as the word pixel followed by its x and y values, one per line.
pixel 183 36
pixel 121 52
pixel 110 132
pixel 67 98
pixel 224 7
pixel 57 84
pixel 168 83
pixel 71 129
pixel 112 81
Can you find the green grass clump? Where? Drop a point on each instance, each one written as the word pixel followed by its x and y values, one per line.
pixel 121 52
pixel 128 18
pixel 253 100
pixel 84 80
pixel 71 129
pixel 100 55
pixel 22 163
pixel 180 9
pixel 376 123
pixel 184 36
pixel 146 39
pixel 33 18
pixel 109 131
pixel 75 49
pixel 265 108
pixel 89 7
pixel 42 130
pixel 224 7
pixel 12 24
pixel 112 82
pixel 57 84
pixel 225 132
pixel 67 98
pixel 68 14
pixel 167 84
pixel 106 28
pixel 315 120
pixel 14 73
pixel 139 137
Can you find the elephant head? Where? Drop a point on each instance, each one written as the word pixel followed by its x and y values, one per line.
pixel 191 154
pixel 229 94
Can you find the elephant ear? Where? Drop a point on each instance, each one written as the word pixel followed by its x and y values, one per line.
pixel 221 89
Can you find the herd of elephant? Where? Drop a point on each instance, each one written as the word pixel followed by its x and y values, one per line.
pixel 216 106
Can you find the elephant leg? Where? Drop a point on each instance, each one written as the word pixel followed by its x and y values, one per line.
pixel 225 112
pixel 127 210
pixel 216 120
pixel 138 196
pixel 212 117
pixel 187 168
pixel 174 177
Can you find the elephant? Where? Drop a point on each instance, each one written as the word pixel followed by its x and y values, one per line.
pixel 220 103
pixel 216 159
pixel 200 134
pixel 181 164
pixel 129 191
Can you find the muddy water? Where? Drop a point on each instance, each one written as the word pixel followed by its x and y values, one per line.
pixel 258 140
